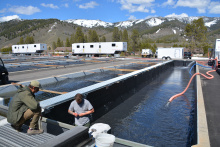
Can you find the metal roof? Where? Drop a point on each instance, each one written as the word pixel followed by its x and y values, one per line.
pixel 10 137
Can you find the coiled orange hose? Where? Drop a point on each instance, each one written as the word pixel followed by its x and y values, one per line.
pixel 179 94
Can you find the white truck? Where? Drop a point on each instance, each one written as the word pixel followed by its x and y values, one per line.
pixel 99 48
pixel 171 53
pixel 29 48
pixel 146 53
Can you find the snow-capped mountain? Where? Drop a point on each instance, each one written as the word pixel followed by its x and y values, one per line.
pixel 150 22
pixel 89 23
pixel 154 21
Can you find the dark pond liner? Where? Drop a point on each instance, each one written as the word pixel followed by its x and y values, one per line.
pixel 106 99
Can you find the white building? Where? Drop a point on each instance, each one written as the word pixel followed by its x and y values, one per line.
pixel 99 48
pixel 29 48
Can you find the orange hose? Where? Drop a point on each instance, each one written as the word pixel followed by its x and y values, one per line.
pixel 179 94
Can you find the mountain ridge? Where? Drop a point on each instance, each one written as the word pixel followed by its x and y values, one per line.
pixel 48 30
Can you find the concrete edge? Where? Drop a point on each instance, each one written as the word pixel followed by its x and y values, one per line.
pixel 202 126
pixel 129 143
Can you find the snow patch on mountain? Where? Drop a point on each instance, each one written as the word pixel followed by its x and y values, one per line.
pixel 209 24
pixel 89 23
pixel 52 27
pixel 187 19
pixel 125 24
pixel 158 31
pixel 154 22
pixel 139 21
pixel 174 31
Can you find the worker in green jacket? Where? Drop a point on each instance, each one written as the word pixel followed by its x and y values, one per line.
pixel 23 107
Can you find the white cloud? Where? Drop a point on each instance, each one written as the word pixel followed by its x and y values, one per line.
pixel 136 5
pixel 214 7
pixel 66 5
pixel 24 10
pixel 3 10
pixel 91 4
pixel 8 18
pixel 50 6
pixel 200 5
pixel 176 15
pixel 169 2
pixel 132 17
pixel 153 11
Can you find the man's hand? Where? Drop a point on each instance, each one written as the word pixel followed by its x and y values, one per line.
pixel 75 114
pixel 81 114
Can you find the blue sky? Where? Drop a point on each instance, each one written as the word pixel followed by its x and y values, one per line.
pixel 106 10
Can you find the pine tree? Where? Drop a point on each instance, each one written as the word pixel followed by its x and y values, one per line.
pixel 79 36
pixel 120 33
pixel 59 44
pixel 95 37
pixel 154 48
pixel 72 38
pixel 134 38
pixel 90 36
pixel 27 40
pixel 125 36
pixel 115 35
pixel 31 40
pixel 196 33
pixel 103 39
pixel 67 42
pixel 21 41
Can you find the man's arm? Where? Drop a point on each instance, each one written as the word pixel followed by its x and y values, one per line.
pixel 30 101
pixel 87 112
pixel 72 113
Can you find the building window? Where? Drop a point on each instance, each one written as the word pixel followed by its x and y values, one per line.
pixel 113 44
pixel 99 46
pixel 78 46
pixel 35 45
pixel 91 46
pixel 15 47
pixel 22 46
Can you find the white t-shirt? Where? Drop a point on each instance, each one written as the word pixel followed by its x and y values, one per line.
pixel 84 106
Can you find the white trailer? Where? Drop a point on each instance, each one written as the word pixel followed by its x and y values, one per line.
pixel 146 53
pixel 99 48
pixel 29 48
pixel 171 53
pixel 217 49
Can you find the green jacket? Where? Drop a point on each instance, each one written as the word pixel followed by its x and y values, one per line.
pixel 24 99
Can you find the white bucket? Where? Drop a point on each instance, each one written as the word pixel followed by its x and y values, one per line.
pixel 104 140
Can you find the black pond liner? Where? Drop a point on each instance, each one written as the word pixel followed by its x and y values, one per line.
pixel 136 107
pixel 35 67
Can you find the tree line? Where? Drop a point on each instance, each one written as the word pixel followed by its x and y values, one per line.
pixel 134 42
pixel 195 32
